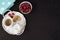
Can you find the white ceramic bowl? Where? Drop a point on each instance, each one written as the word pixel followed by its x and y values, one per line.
pixel 23 3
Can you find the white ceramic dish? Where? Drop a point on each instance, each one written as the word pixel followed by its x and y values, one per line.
pixel 23 3
pixel 16 28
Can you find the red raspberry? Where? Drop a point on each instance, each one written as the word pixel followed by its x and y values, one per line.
pixel 11 15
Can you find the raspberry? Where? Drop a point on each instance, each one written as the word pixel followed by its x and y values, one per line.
pixel 11 15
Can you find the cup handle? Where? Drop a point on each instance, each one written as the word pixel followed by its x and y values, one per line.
pixel 6 11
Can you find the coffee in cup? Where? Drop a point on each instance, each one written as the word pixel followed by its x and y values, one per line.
pixel 16 18
pixel 8 22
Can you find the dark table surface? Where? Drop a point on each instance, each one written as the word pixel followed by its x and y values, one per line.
pixel 43 23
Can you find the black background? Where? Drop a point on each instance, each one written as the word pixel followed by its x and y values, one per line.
pixel 43 23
